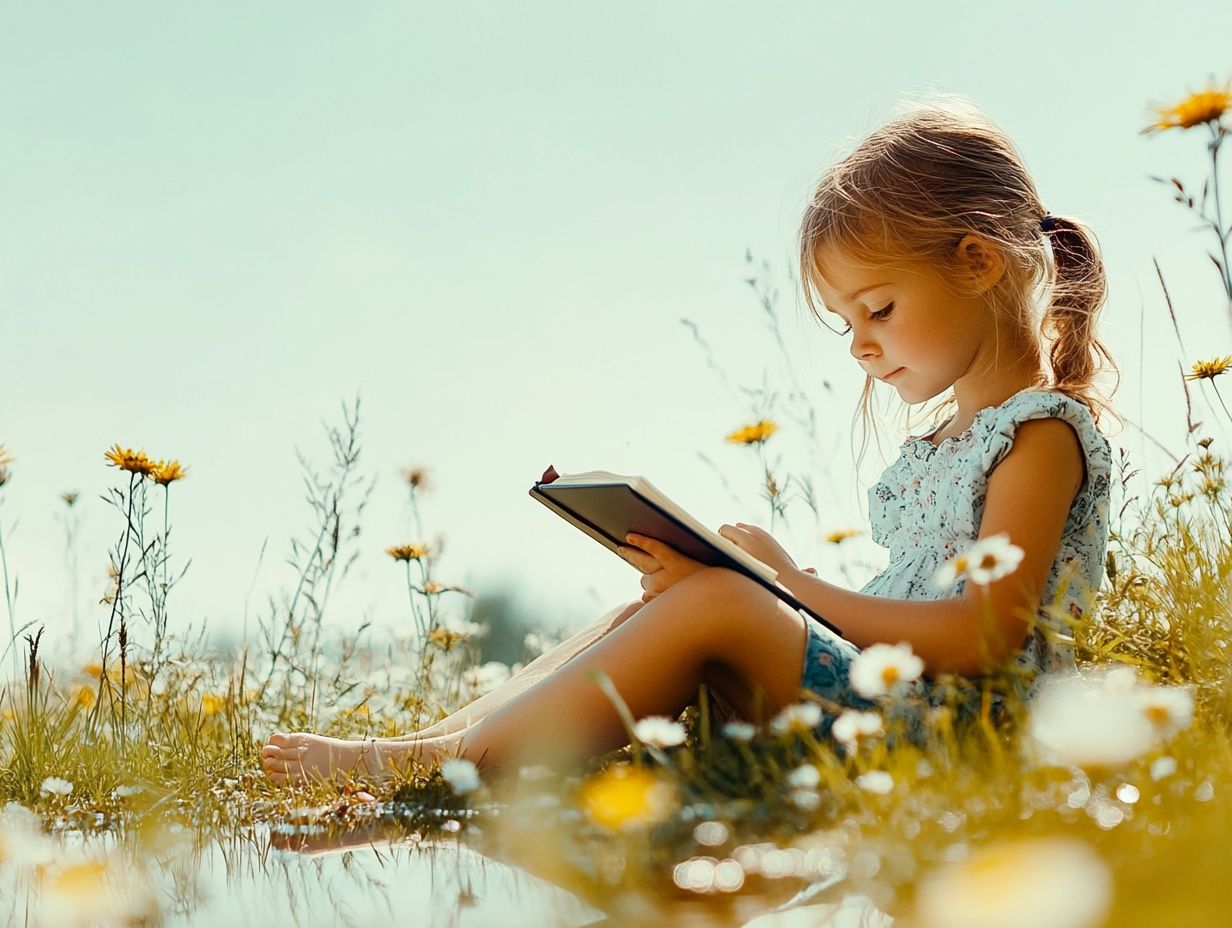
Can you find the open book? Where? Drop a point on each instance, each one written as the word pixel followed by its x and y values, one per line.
pixel 608 506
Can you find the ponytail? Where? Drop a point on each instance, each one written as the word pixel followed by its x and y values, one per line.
pixel 1078 292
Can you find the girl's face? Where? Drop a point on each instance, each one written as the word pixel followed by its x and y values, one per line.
pixel 908 327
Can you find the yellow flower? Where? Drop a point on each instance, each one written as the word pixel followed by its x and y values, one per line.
pixel 166 472
pixel 842 535
pixel 70 497
pixel 6 456
pixel 1204 106
pixel 445 639
pixel 1208 370
pixel 753 434
pixel 410 552
pixel 135 462
pixel 212 704
pixel 624 797
pixel 94 670
pixel 84 697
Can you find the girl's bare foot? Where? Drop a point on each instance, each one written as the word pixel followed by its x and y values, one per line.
pixel 297 757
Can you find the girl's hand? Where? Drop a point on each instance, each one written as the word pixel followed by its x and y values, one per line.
pixel 661 564
pixel 761 544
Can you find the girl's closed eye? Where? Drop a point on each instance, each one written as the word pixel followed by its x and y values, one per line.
pixel 878 316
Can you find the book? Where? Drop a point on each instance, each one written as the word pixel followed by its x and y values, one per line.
pixel 608 506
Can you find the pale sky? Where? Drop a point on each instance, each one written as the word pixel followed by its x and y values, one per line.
pixel 487 220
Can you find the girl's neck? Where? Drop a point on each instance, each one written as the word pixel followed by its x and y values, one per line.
pixel 974 395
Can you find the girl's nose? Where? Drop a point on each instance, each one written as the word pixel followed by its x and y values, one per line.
pixel 863 349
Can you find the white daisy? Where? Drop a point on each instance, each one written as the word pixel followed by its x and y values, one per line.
pixel 739 731
pixel 658 731
pixel 799 717
pixel 56 786
pixel 879 667
pixel 1169 709
pixel 806 776
pixel 1077 720
pixel 986 560
pixel 1058 882
pixel 461 775
pixel 852 725
pixel 875 781
pixel 806 800
pixel 486 677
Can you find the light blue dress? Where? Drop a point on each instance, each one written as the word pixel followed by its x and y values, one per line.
pixel 926 509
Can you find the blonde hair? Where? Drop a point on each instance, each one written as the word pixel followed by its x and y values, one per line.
pixel 940 170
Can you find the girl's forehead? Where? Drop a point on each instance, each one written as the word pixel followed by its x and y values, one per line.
pixel 841 274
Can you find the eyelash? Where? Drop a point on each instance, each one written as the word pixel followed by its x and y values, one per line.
pixel 880 316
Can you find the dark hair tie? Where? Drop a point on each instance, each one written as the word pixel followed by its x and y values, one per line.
pixel 1048 223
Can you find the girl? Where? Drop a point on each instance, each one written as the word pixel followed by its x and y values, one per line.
pixel 930 243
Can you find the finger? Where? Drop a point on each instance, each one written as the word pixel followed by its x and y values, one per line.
pixel 663 554
pixel 639 559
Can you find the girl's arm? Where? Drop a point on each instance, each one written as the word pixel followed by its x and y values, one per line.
pixel 1029 495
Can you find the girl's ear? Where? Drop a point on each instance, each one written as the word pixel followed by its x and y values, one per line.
pixel 979 263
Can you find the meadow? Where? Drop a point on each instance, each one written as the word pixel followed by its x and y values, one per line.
pixel 1107 800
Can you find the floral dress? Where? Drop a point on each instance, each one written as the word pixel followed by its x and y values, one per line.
pixel 927 507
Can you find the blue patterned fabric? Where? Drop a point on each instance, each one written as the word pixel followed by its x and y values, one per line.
pixel 927 506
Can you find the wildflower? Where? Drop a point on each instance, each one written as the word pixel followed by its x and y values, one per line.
pixel 806 800
pixel 54 786
pixel 658 731
pixel 852 725
pixel 738 731
pixel 837 538
pixel 877 668
pixel 445 638
pixel 461 775
pixel 6 456
pixel 212 704
pixel 1209 370
pixel 416 477
pixel 800 717
pixel 408 552
pixel 806 776
pixel 1087 720
pixel 135 462
pixel 84 697
pixel 70 497
pixel 875 781
pixel 167 472
pixel 486 677
pixel 624 797
pixel 1169 709
pixel 754 434
pixel 1059 882
pixel 125 792
pixel 1199 108
pixel 987 560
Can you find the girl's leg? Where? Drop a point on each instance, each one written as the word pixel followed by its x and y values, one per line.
pixel 656 660
pixel 540 667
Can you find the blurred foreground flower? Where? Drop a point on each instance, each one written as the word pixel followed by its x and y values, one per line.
pixel 1104 718
pixel 1199 108
pixel 800 718
pixel 1058 882
pixel 658 731
pixel 852 725
pixel 54 786
pixel 89 892
pixel 842 535
pixel 1209 370
pixel 212 704
pixel 754 434
pixel 461 775
pixel 987 560
pixel 624 797
pixel 739 731
pixel 879 667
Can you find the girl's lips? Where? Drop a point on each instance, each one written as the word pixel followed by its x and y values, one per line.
pixel 887 377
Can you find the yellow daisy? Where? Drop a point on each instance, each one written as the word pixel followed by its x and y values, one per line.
pixel 1204 106
pixel 842 535
pixel 1208 370
pixel 167 472
pixel 411 552
pixel 135 462
pixel 753 434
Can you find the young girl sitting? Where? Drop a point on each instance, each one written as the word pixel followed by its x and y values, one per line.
pixel 930 243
